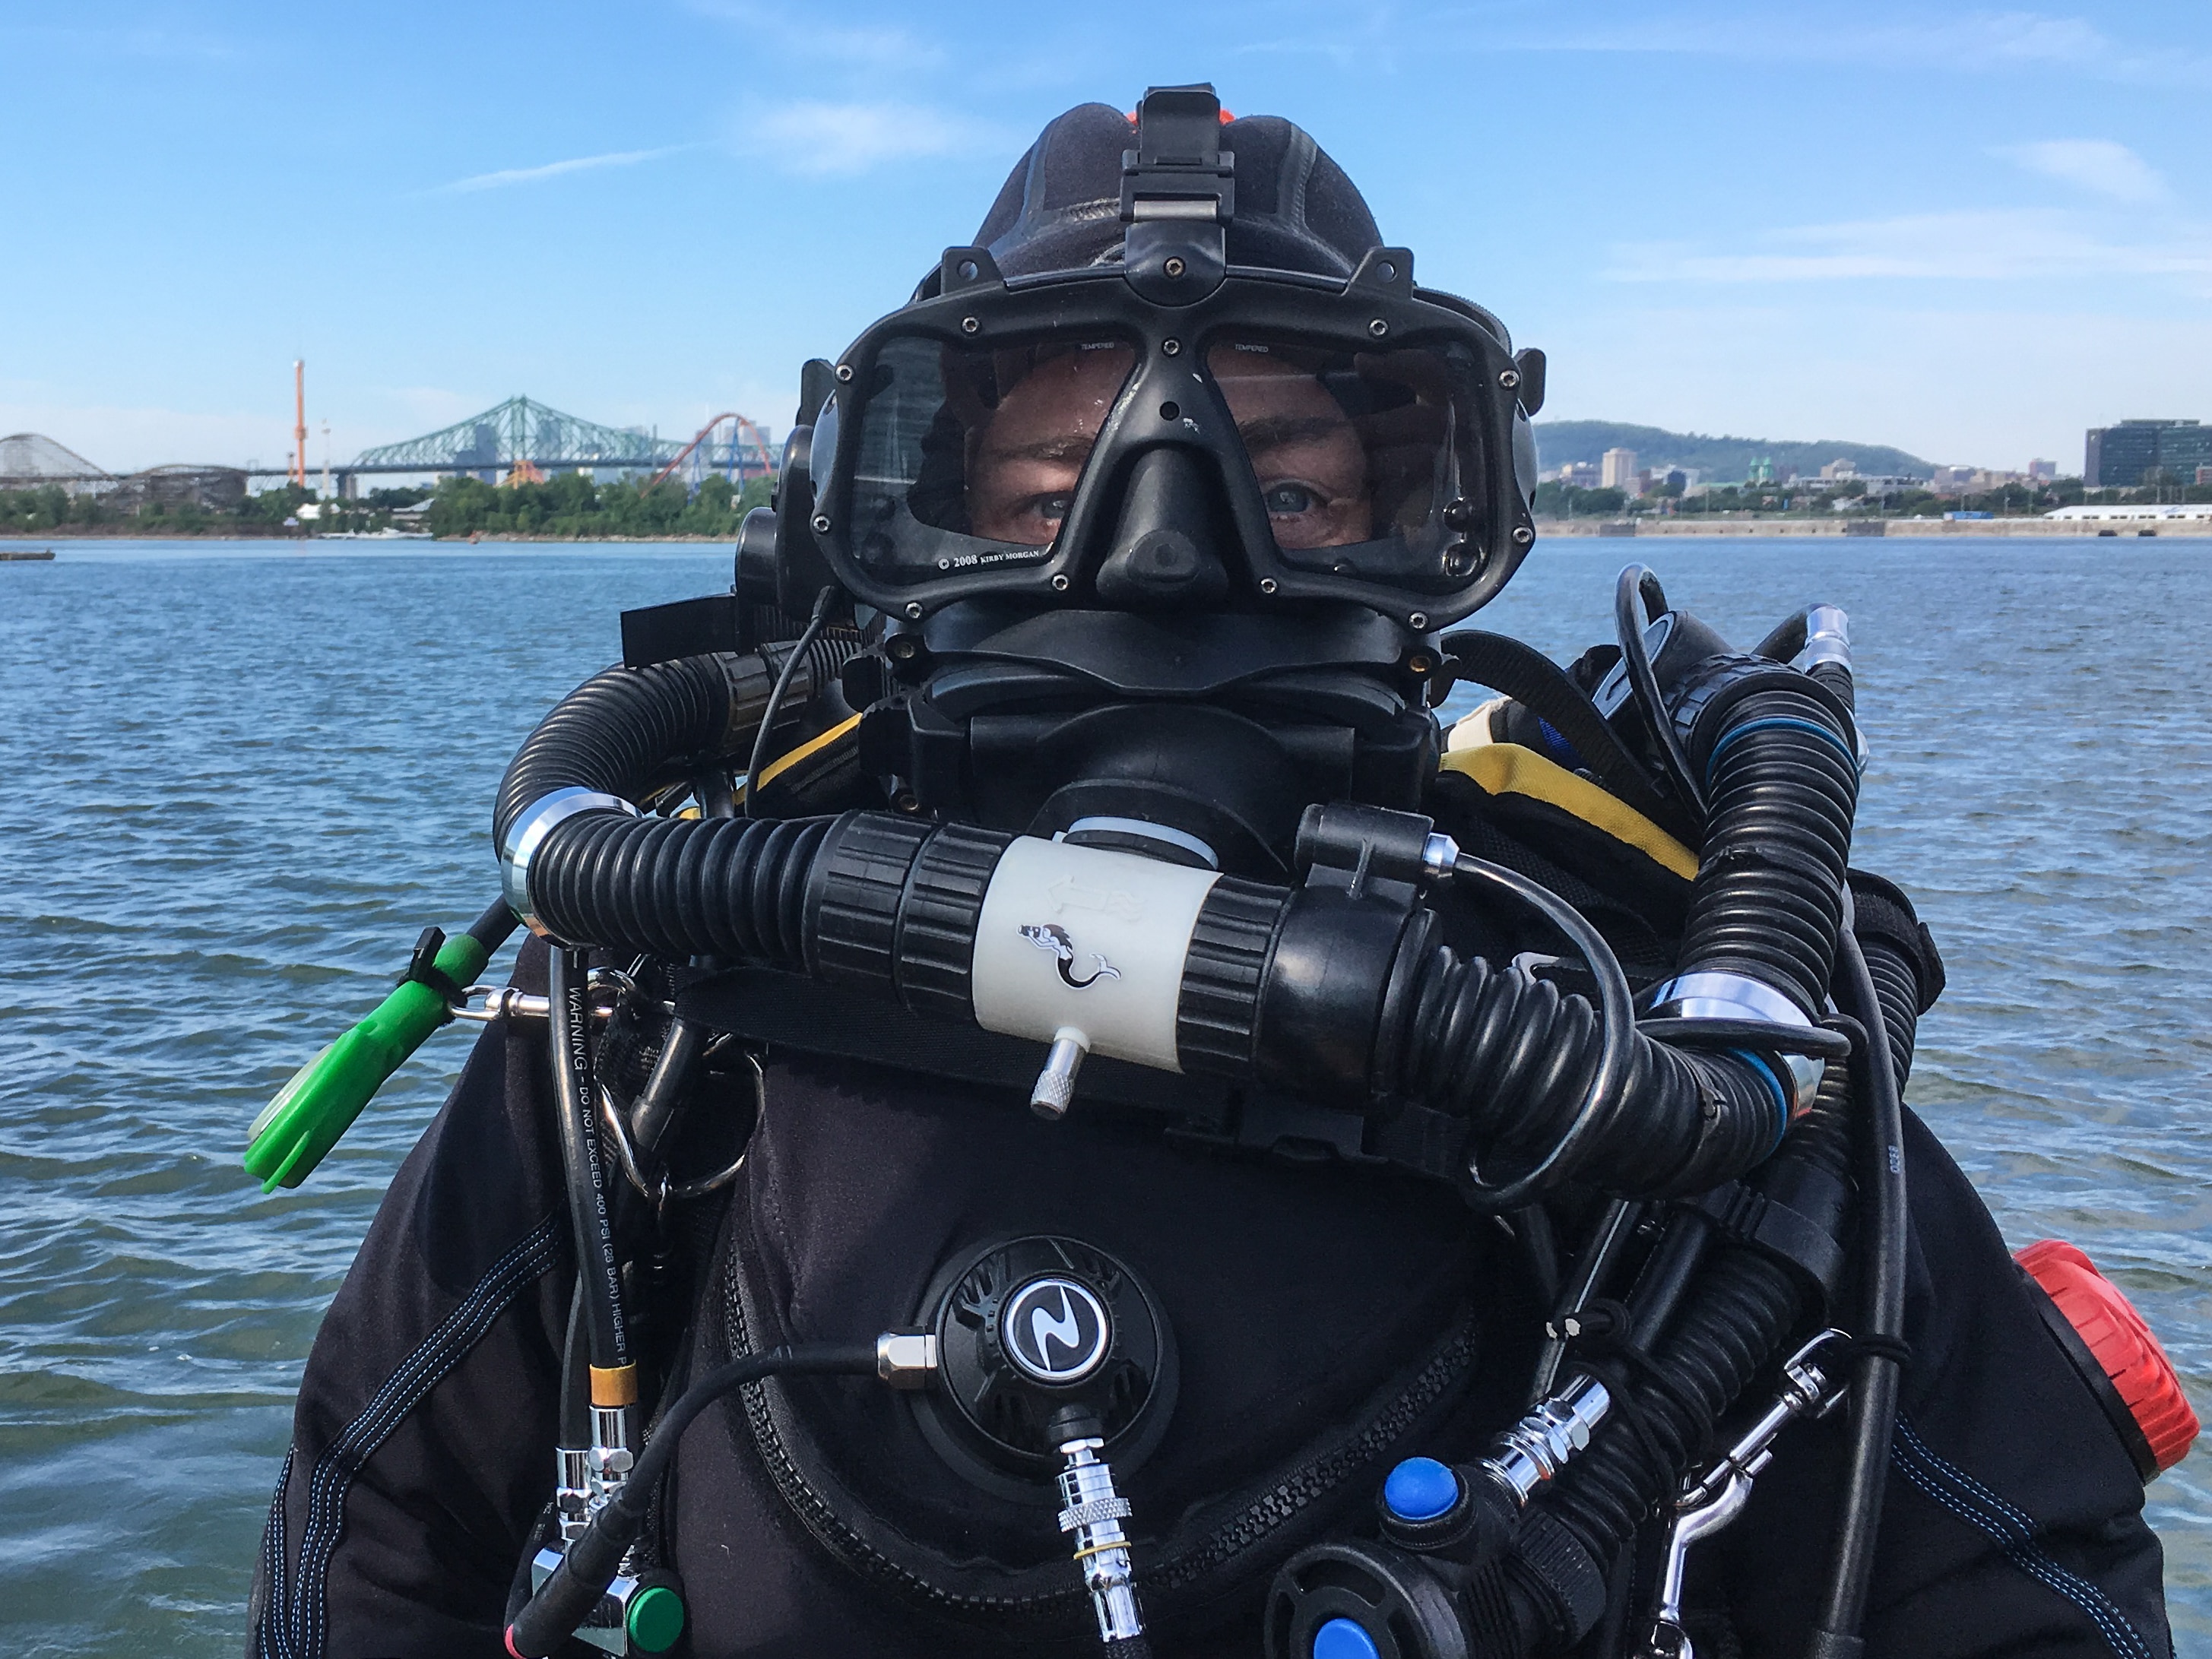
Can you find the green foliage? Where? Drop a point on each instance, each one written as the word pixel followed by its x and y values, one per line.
pixel 570 505
pixel 1559 442
pixel 1555 500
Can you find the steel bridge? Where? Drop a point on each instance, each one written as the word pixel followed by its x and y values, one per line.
pixel 518 436
pixel 520 439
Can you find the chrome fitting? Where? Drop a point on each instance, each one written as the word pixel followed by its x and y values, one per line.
pixel 1439 853
pixel 572 1496
pixel 528 830
pixel 1710 994
pixel 1093 1510
pixel 1538 1447
pixel 1054 1092
pixel 606 1626
pixel 611 1458
pixel 906 1360
pixel 1827 638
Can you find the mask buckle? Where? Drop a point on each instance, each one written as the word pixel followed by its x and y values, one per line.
pixel 1178 197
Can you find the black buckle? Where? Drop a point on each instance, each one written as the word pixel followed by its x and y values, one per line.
pixel 1178 169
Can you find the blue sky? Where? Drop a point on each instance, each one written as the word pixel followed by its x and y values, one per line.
pixel 1970 232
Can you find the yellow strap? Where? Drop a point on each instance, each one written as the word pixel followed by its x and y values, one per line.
pixel 1507 768
pixel 811 746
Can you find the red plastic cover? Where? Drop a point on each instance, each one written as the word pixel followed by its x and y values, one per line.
pixel 2122 1347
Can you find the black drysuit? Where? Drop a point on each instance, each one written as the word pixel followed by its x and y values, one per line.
pixel 1330 1321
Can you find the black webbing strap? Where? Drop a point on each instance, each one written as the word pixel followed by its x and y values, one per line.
pixel 1527 676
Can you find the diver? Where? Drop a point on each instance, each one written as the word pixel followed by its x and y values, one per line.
pixel 1464 1204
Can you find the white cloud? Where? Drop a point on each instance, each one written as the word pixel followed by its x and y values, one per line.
pixel 1989 246
pixel 2099 165
pixel 819 139
pixel 1979 41
pixel 506 176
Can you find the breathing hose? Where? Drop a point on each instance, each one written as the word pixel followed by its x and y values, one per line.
pixel 1379 1017
pixel 1746 1304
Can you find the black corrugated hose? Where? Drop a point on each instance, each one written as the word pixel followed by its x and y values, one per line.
pixel 1514 1057
pixel 1781 785
pixel 1743 1310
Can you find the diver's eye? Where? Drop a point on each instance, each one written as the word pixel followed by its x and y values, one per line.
pixel 1050 508
pixel 1289 498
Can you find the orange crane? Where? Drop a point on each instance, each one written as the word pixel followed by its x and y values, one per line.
pixel 299 422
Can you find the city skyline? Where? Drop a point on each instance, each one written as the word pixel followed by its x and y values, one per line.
pixel 1971 235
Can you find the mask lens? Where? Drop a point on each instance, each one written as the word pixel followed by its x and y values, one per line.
pixel 1358 455
pixel 969 457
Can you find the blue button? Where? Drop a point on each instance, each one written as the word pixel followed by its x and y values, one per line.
pixel 1419 1489
pixel 1340 1638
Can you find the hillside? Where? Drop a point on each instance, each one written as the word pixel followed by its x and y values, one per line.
pixel 1717 459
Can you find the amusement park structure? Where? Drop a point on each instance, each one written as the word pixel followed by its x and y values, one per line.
pixel 730 445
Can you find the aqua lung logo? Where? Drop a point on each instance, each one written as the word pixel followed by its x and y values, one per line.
pixel 1055 1330
pixel 1051 936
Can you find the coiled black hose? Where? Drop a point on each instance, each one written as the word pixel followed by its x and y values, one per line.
pixel 1781 787
pixel 1516 1057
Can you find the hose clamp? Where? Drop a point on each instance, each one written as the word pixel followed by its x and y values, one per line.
pixel 1711 994
pixel 526 833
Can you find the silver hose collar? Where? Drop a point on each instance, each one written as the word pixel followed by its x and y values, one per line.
pixel 1710 994
pixel 527 830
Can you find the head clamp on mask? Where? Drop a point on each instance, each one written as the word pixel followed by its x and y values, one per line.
pixel 1084 473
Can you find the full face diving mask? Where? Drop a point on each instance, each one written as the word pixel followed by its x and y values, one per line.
pixel 1171 431
pixel 1158 541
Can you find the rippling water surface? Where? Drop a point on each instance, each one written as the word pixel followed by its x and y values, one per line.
pixel 240 778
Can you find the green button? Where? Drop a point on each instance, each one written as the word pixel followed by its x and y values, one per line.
pixel 656 1618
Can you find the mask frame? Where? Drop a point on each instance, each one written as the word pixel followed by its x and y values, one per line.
pixel 1378 308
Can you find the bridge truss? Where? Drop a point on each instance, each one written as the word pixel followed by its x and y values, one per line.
pixel 518 435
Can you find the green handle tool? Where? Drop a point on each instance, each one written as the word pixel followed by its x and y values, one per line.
pixel 325 1096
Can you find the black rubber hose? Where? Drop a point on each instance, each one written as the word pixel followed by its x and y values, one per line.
pixel 626 729
pixel 1781 788
pixel 597 1270
pixel 1874 1389
pixel 566 1597
pixel 1732 1323
pixel 620 729
pixel 1514 1057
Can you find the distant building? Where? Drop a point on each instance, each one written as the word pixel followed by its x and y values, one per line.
pixel 2120 457
pixel 1762 470
pixel 1579 475
pixel 1617 469
pixel 2042 471
pixel 1842 469
pixel 2204 475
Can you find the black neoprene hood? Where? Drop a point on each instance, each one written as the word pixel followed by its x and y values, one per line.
pixel 1060 209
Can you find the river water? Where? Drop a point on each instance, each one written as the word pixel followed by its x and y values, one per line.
pixel 240 778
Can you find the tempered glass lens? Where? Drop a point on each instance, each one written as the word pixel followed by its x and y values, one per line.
pixel 1357 454
pixel 969 457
